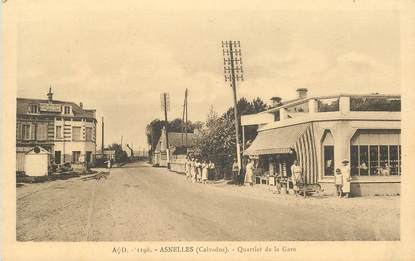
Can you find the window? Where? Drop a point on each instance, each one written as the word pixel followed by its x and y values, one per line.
pixel 76 133
pixel 375 160
pixel 42 132
pixel 329 160
pixel 33 108
pixel 67 110
pixel 76 155
pixel 59 132
pixel 26 131
pixel 364 160
pixel 58 157
pixel 88 134
pixel 88 156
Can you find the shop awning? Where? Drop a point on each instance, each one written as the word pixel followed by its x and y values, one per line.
pixel 276 141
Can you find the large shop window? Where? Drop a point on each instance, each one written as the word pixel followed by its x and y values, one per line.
pixel 375 160
pixel 375 153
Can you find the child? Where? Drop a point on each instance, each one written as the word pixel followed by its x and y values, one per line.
pixel 338 182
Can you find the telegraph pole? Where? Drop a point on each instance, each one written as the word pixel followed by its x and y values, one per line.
pixel 102 138
pixel 165 105
pixel 232 59
pixel 184 119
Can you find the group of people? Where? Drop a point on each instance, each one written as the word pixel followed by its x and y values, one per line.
pixel 342 178
pixel 199 170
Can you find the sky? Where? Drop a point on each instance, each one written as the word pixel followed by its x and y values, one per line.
pixel 118 57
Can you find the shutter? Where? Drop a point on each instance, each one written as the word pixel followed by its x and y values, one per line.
pixel 19 131
pixel 32 131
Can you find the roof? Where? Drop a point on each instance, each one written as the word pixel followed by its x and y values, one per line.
pixel 175 140
pixel 23 103
pixel 276 141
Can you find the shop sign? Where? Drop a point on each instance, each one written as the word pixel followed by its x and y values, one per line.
pixel 48 107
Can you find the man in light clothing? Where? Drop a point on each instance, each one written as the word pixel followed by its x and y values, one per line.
pixel 345 170
pixel 296 172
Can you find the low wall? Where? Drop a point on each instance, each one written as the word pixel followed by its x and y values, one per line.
pixel 178 165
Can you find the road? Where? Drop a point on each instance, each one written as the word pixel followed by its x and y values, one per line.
pixel 141 203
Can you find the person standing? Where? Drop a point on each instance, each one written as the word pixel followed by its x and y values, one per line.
pixel 338 182
pixel 345 171
pixel 187 167
pixel 211 170
pixel 205 171
pixel 249 175
pixel 193 170
pixel 235 172
pixel 296 176
pixel 198 171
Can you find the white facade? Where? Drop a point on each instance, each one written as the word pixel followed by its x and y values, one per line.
pixel 369 140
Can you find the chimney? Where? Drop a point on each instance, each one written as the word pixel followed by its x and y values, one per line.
pixel 302 93
pixel 81 105
pixel 276 101
pixel 50 95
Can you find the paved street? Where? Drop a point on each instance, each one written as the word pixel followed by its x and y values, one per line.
pixel 139 202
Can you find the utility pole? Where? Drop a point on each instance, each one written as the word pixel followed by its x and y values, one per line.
pixel 184 119
pixel 102 138
pixel 165 105
pixel 121 141
pixel 232 59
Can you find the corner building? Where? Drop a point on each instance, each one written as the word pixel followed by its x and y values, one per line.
pixel 321 132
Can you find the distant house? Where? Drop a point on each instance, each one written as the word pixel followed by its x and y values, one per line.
pixel 178 145
pixel 65 129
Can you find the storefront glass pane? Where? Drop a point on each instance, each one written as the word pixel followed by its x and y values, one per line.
pixel 384 160
pixel 374 161
pixel 364 160
pixel 354 158
pixel 328 160
pixel 400 160
pixel 394 159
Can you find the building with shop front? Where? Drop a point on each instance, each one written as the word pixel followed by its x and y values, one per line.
pixel 65 129
pixel 321 132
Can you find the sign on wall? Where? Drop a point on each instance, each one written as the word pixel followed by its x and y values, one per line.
pixel 47 107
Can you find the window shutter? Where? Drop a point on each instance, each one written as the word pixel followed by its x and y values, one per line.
pixel 19 131
pixel 32 131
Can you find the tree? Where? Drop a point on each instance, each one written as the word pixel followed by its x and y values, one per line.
pixel 216 140
pixel 120 154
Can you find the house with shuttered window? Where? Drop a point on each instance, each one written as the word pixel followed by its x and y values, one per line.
pixel 65 129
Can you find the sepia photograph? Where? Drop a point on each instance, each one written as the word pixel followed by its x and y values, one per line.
pixel 154 122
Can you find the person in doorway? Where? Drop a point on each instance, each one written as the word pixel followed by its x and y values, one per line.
pixel 338 182
pixel 345 171
pixel 249 175
pixel 296 176
pixel 235 171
